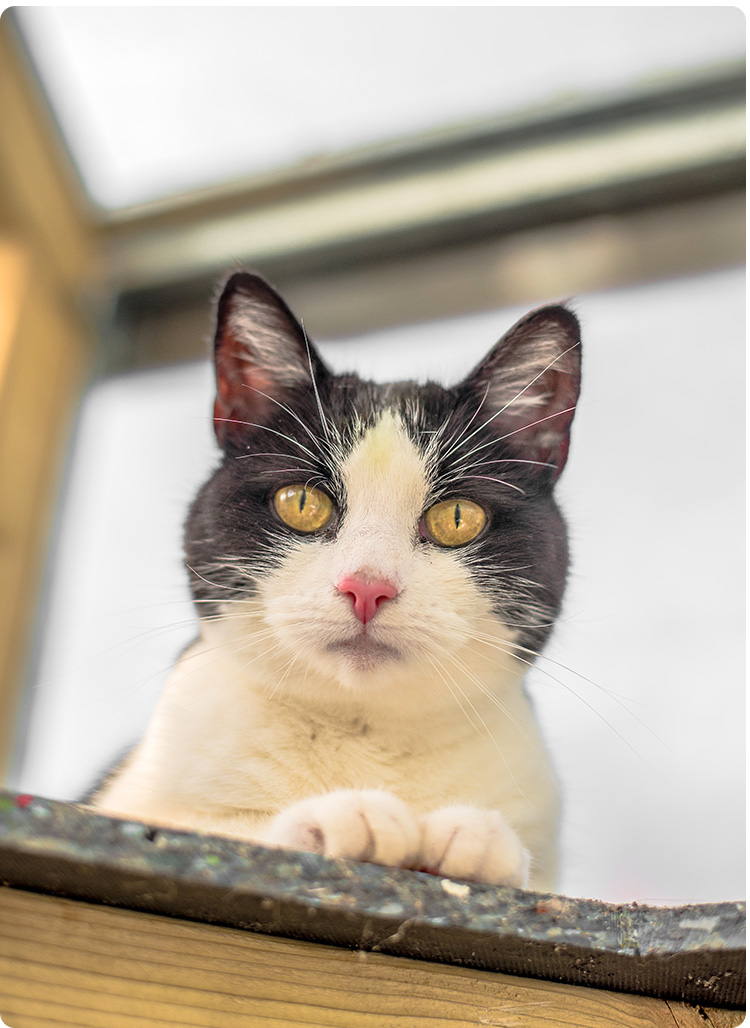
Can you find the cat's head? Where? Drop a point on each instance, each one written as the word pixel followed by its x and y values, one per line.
pixel 366 534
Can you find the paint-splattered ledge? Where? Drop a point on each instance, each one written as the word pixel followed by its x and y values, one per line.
pixel 691 953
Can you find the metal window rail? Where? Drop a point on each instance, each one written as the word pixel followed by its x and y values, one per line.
pixel 655 145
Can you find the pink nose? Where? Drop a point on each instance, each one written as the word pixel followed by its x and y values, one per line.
pixel 366 596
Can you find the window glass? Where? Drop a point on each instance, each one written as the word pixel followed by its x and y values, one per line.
pixel 154 100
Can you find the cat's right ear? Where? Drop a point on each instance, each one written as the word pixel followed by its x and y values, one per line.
pixel 261 354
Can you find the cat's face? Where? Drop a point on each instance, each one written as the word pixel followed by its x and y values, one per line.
pixel 375 534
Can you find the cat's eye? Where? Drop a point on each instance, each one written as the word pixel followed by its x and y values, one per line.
pixel 303 507
pixel 454 522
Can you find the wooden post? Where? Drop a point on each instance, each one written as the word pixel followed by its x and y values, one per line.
pixel 46 257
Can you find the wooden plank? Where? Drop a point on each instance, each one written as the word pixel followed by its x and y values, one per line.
pixel 693 954
pixel 702 1017
pixel 721 1018
pixel 63 961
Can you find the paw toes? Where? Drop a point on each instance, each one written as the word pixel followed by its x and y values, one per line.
pixel 358 824
pixel 480 845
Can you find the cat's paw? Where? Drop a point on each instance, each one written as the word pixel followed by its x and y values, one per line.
pixel 479 845
pixel 365 825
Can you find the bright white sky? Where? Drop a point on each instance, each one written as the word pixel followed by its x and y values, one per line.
pixel 154 100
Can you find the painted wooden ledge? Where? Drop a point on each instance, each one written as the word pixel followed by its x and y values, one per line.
pixel 403 949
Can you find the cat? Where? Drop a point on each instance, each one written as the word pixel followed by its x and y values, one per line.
pixel 375 567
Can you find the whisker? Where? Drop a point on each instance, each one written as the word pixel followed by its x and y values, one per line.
pixel 483 723
pixel 442 673
pixel 286 671
pixel 488 693
pixel 519 394
pixel 499 481
pixel 531 424
pixel 494 643
pixel 507 460
pixel 617 697
pixel 288 456
pixel 214 585
pixel 539 421
pixel 323 420
pixel 267 428
pixel 461 430
pixel 285 407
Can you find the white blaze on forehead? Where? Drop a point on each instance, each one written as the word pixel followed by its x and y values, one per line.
pixel 386 487
pixel 385 473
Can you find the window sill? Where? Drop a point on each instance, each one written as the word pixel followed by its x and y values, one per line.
pixel 693 954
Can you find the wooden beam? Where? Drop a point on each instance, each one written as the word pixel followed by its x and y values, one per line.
pixel 46 259
pixel 692 954
pixel 66 962
pixel 40 192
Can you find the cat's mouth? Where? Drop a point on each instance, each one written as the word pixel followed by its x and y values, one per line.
pixel 365 651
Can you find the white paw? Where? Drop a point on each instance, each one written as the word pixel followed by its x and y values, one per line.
pixel 361 825
pixel 480 845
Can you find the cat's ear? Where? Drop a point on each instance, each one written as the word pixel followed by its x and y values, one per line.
pixel 261 355
pixel 530 383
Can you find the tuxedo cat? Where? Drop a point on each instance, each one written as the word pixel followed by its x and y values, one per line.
pixel 375 567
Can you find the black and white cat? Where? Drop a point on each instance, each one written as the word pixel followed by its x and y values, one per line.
pixel 375 567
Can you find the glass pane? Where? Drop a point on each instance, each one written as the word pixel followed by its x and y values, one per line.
pixel 154 100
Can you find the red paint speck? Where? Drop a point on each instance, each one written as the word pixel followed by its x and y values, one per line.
pixel 23 801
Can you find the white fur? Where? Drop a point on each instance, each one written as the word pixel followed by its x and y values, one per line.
pixel 359 824
pixel 274 727
pixel 259 331
pixel 463 842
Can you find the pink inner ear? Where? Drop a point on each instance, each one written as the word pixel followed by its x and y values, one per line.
pixel 542 428
pixel 240 389
pixel 560 458
pixel 531 381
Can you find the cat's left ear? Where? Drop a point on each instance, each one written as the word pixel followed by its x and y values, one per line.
pixel 261 355
pixel 530 382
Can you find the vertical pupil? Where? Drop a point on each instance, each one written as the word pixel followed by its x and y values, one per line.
pixel 302 499
pixel 457 514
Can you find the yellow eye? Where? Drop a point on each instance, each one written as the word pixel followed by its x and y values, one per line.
pixel 454 522
pixel 303 507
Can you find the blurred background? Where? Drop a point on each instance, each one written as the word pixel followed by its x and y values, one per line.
pixel 413 179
